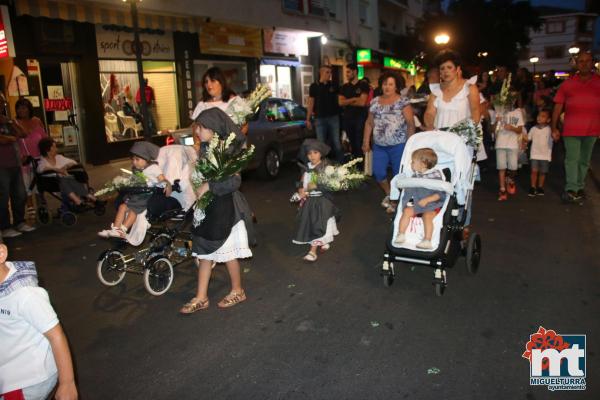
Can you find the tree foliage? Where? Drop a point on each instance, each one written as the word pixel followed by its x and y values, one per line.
pixel 498 27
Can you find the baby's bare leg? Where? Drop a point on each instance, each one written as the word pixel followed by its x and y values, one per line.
pixel 407 214
pixel 130 219
pixel 428 223
pixel 120 217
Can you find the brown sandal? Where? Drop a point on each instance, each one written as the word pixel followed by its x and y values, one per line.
pixel 194 305
pixel 232 299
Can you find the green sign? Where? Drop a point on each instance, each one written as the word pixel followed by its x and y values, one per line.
pixel 361 72
pixel 396 63
pixel 363 55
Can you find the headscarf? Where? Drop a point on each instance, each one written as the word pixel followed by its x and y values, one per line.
pixel 217 121
pixel 313 144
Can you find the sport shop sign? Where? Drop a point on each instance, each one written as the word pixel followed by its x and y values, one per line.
pixel 120 45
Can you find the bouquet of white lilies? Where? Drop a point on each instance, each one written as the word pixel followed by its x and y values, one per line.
pixel 339 177
pixel 468 131
pixel 240 109
pixel 220 161
pixel 124 180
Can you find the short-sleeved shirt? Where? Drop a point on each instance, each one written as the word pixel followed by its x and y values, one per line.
pixel 61 161
pixel 350 90
pixel 390 127
pixel 541 142
pixel 582 106
pixel 325 97
pixel 26 356
pixel 506 139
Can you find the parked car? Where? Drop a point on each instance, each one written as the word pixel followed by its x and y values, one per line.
pixel 276 131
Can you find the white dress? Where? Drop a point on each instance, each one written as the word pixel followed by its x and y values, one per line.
pixel 458 108
pixel 201 106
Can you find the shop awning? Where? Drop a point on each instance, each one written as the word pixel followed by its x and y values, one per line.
pixel 280 62
pixel 108 14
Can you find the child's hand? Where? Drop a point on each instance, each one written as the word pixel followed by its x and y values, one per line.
pixel 302 192
pixel 423 202
pixel 66 391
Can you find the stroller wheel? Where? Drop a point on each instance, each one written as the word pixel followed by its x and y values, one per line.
pixel 388 279
pixel 68 218
pixel 100 210
pixel 439 289
pixel 473 253
pixel 158 276
pixel 111 268
pixel 44 215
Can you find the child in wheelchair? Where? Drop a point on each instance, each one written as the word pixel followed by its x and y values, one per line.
pixel 143 159
pixel 71 177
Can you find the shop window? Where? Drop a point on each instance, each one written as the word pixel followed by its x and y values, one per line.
pixel 555 27
pixel 236 75
pixel 279 80
pixel 293 5
pixel 363 13
pixel 122 101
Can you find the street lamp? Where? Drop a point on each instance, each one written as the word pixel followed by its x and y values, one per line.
pixel 482 54
pixel 533 61
pixel 573 50
pixel 140 67
pixel 442 38
pixel 324 40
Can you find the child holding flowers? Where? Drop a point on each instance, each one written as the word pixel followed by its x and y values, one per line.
pixel 222 222
pixel 316 216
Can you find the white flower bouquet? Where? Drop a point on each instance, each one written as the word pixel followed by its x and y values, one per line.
pixel 240 110
pixel 340 177
pixel 124 180
pixel 220 161
pixel 468 131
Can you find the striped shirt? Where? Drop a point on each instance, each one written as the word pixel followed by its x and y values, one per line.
pixel 582 106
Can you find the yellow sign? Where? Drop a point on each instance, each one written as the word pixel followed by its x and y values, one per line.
pixel 230 40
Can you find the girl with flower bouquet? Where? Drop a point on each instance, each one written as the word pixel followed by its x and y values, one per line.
pixel 223 231
pixel 143 155
pixel 317 214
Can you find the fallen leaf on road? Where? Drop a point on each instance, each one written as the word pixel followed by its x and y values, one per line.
pixel 93 245
pixel 433 371
pixel 491 219
pixel 291 285
pixel 374 324
pixel 246 270
pixel 413 268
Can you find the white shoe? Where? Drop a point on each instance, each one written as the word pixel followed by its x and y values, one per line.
pixel 401 238
pixel 10 233
pixel 385 203
pixel 425 244
pixel 23 227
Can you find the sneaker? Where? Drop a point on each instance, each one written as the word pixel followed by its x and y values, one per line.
pixel 580 194
pixel 502 195
pixel 569 197
pixel 539 192
pixel 385 203
pixel 511 188
pixel 23 227
pixel 401 238
pixel 532 192
pixel 10 233
pixel 424 244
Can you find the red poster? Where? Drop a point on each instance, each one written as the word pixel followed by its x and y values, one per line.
pixel 3 41
pixel 58 104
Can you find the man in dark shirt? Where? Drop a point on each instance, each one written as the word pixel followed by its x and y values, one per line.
pixel 323 105
pixel 353 98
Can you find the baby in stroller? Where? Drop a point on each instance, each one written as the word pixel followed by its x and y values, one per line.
pixel 419 200
pixel 73 185
pixel 142 159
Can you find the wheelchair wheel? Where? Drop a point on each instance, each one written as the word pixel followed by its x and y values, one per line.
pixel 68 218
pixel 439 289
pixel 388 280
pixel 44 216
pixel 473 253
pixel 158 276
pixel 111 268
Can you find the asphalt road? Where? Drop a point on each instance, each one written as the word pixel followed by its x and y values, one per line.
pixel 330 330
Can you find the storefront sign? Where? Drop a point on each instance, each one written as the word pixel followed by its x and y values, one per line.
pixel 396 63
pixel 58 104
pixel 284 42
pixel 230 40
pixel 7 48
pixel 363 56
pixel 120 45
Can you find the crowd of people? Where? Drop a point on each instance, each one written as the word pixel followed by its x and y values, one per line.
pixel 36 347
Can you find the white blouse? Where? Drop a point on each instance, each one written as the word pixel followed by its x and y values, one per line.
pixel 450 112
pixel 201 106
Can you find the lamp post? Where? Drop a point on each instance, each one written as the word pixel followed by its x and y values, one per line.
pixel 442 38
pixel 140 67
pixel 573 51
pixel 533 61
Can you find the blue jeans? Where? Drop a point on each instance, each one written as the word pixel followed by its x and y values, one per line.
pixel 384 156
pixel 328 132
pixel 12 189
